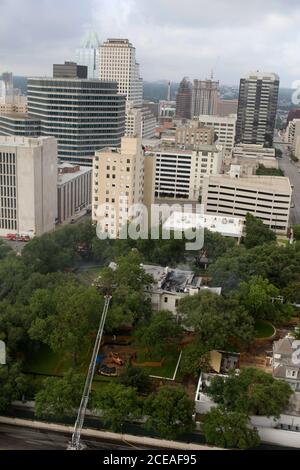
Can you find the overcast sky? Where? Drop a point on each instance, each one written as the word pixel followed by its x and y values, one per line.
pixel 173 38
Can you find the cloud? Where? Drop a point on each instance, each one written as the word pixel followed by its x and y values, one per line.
pixel 173 38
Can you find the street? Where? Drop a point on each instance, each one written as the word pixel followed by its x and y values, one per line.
pixel 18 438
pixel 291 170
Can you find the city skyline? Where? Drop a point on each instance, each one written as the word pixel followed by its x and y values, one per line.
pixel 214 38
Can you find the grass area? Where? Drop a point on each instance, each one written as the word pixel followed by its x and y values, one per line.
pixel 263 329
pixel 168 366
pixel 45 362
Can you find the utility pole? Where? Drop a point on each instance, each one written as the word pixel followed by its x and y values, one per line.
pixel 75 443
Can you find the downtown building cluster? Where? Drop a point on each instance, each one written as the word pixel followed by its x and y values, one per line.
pixel 114 150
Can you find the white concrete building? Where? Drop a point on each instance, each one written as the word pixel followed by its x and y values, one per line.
pixel 74 191
pixel 149 124
pixel 266 197
pixel 225 226
pixel 251 156
pixel 224 128
pixel 180 173
pixel 172 285
pixel 133 123
pixel 121 180
pixel 28 185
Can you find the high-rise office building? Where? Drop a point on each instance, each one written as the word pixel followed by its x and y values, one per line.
pixel 205 98
pixel 184 100
pixel 28 185
pixel 83 115
pixel 88 54
pixel 20 125
pixel 118 62
pixel 257 108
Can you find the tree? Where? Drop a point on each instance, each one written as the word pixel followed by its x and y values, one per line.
pixel 45 255
pixel 215 320
pixel 279 264
pixel 13 384
pixel 296 229
pixel 169 412
pixel 128 284
pixel 194 359
pixel 59 397
pixel 259 296
pixel 135 377
pixel 66 317
pixel 117 404
pixel 159 332
pixel 229 430
pixel 253 392
pixel 257 233
pixel 292 292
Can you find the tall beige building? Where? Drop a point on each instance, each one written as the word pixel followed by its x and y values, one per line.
pixel 205 97
pixel 119 184
pixel 194 134
pixel 28 185
pixel 118 63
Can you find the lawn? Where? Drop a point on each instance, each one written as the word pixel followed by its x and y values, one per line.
pixel 263 329
pixel 45 362
pixel 169 362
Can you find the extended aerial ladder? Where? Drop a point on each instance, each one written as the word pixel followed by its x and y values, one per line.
pixel 75 443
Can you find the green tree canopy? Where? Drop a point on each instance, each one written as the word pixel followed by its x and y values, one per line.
pixel 253 392
pixel 292 292
pixel 229 430
pixel 260 299
pixel 257 233
pixel 159 332
pixel 169 412
pixel 117 404
pixel 59 397
pixel 194 359
pixel 216 320
pixel 135 377
pixel 66 317
pixel 13 384
pixel 128 284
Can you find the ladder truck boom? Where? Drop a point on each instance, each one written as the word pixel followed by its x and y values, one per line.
pixel 75 443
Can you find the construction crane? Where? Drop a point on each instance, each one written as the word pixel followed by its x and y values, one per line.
pixel 75 443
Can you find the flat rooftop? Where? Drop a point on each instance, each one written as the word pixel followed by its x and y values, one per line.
pixel 19 141
pixel 260 183
pixel 226 226
pixel 64 178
